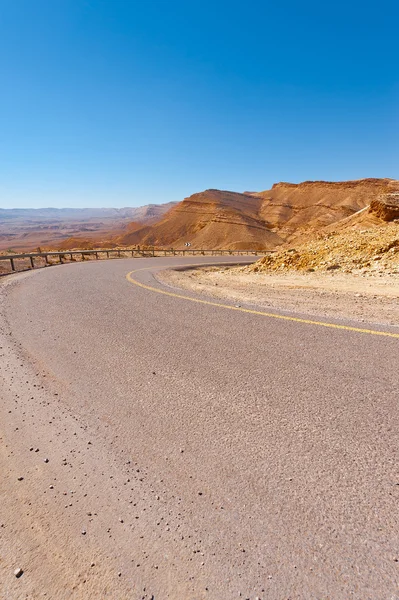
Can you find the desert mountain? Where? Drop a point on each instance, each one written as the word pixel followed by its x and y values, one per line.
pixel 295 209
pixel 259 220
pixel 211 219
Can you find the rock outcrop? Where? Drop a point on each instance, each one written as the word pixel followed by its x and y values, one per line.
pixel 386 207
pixel 306 208
pixel 368 251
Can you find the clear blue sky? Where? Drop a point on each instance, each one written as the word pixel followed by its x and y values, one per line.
pixel 121 103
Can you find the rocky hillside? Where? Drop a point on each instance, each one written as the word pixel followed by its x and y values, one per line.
pixel 296 209
pixel 263 220
pixel 370 250
pixel 386 207
pixel 211 219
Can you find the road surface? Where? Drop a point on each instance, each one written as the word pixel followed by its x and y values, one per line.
pixel 158 447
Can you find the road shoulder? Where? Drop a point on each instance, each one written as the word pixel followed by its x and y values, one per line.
pixel 325 295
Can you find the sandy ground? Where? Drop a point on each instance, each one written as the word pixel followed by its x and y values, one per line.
pixel 373 299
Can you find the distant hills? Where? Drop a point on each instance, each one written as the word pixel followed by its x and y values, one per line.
pixel 25 228
pixel 140 213
pixel 210 219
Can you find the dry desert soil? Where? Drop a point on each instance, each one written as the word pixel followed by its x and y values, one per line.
pixel 371 298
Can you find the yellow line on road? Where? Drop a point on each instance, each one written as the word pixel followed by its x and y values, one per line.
pixel 251 311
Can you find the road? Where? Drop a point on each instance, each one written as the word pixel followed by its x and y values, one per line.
pixel 187 450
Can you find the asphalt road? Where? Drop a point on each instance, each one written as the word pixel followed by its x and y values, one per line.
pixel 239 455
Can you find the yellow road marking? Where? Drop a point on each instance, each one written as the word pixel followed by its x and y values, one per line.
pixel 249 310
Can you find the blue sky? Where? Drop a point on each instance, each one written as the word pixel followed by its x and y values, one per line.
pixel 122 103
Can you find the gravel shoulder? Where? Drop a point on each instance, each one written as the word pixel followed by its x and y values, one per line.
pixel 58 522
pixel 373 299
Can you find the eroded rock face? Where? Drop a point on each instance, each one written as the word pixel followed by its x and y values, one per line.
pixel 386 207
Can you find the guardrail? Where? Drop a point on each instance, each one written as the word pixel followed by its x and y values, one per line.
pixel 34 258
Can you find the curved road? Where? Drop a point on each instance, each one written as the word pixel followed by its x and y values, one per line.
pixel 187 450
